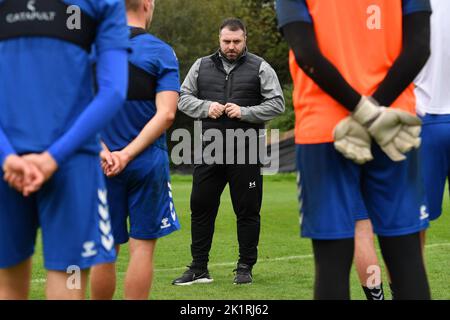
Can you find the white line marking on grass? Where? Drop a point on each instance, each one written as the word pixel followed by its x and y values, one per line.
pixel 41 280
pixel 446 244
pixel 229 264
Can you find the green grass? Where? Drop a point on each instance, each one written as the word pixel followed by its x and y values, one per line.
pixel 285 269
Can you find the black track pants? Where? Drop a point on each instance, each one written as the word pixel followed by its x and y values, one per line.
pixel 245 183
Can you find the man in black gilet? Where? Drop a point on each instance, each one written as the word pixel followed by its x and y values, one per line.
pixel 229 91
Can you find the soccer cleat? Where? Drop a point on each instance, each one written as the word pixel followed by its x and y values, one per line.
pixel 243 274
pixel 192 276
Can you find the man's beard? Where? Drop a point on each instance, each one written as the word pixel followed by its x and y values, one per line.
pixel 232 59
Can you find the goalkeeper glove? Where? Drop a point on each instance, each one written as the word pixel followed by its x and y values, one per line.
pixel 353 141
pixel 395 131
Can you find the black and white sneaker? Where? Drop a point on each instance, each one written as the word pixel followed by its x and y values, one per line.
pixel 243 274
pixel 192 276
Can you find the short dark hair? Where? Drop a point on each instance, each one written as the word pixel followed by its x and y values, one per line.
pixel 233 24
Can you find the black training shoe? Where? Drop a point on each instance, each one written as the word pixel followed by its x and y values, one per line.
pixel 243 274
pixel 192 276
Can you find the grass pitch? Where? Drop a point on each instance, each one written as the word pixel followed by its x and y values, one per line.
pixel 285 270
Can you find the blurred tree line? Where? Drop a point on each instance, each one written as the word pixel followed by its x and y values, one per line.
pixel 192 29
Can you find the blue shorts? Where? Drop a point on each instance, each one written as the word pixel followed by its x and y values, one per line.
pixel 143 192
pixel 436 160
pixel 334 192
pixel 72 211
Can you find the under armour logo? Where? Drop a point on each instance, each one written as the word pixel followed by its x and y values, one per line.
pixel 30 5
pixel 252 185
pixel 374 20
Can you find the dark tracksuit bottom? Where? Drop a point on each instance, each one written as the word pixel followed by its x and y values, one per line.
pixel 246 188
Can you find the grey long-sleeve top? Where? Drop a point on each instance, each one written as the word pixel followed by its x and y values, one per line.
pixel 272 105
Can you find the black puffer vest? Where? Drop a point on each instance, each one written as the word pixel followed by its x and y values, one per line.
pixel 241 86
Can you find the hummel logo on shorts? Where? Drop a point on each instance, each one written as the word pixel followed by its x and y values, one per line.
pixel 423 213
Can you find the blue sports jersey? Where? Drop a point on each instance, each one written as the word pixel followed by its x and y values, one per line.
pixel 297 10
pixel 47 83
pixel 158 59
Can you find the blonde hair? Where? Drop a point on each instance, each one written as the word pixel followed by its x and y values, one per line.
pixel 133 5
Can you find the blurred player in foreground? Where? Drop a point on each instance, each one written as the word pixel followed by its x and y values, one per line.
pixel 355 157
pixel 138 164
pixel 433 103
pixel 49 124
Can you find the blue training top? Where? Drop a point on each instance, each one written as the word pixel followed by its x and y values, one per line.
pixel 47 92
pixel 158 59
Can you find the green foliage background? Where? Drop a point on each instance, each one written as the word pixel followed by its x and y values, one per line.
pixel 192 29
